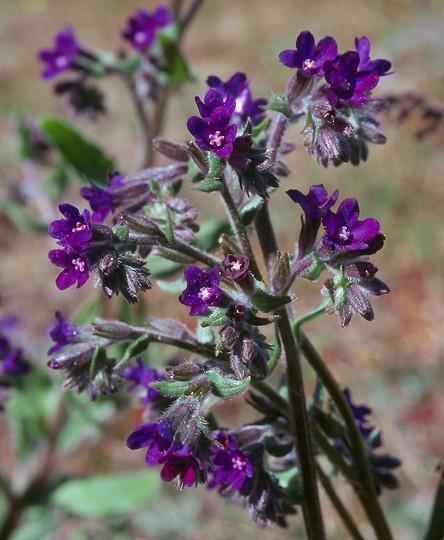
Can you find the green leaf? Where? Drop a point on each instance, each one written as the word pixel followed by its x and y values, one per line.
pixel 264 301
pixel 279 103
pixel 84 155
pixel 170 388
pixel 225 386
pixel 18 215
pixel 178 70
pixel 209 233
pixel 250 209
pixel 217 165
pixel 209 185
pixel 106 495
pixel 217 317
pixel 136 347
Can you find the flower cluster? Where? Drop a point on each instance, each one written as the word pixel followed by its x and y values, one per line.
pixel 381 465
pixel 333 91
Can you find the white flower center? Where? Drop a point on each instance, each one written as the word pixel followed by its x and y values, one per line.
pixel 308 64
pixel 344 233
pixel 238 463
pixel 61 62
pixel 79 227
pixel 79 264
pixel 216 139
pixel 205 293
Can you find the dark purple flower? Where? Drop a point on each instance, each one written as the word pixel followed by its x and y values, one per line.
pixel 316 204
pixel 380 66
pixel 236 266
pixel 214 132
pixel 214 99
pixel 62 56
pixel 343 230
pixel 347 84
pixel 74 230
pixel 231 466
pixel 360 413
pixel 202 289
pixel 14 364
pixel 308 57
pixel 82 98
pixel 75 264
pixel 143 27
pixel 156 437
pixel 142 375
pixel 100 200
pixel 182 463
pixel 238 88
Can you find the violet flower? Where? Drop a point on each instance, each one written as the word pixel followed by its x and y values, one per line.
pixel 380 66
pixel 202 289
pixel 238 88
pixel 142 375
pixel 143 27
pixel 75 264
pixel 231 466
pixel 347 84
pixel 156 437
pixel 316 204
pixel 62 333
pixel 308 57
pixel 343 230
pixel 214 133
pixel 236 266
pixel 61 58
pixel 100 200
pixel 74 230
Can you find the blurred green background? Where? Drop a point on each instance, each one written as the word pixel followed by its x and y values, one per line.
pixel 395 363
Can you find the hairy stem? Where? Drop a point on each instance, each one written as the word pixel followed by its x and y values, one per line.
pixel 366 490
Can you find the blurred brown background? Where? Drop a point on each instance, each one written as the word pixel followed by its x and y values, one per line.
pixel 395 363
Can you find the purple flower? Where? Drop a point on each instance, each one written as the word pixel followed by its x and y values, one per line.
pixel 343 230
pixel 202 289
pixel 379 66
pixel 360 413
pixel 142 375
pixel 75 264
pixel 62 333
pixel 143 27
pixel 74 230
pixel 14 364
pixel 181 462
pixel 308 57
pixel 238 88
pixel 231 466
pixel 347 84
pixel 316 204
pixel 236 266
pixel 156 437
pixel 60 58
pixel 100 200
pixel 213 132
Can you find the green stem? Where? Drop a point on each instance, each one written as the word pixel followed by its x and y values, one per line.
pixel 240 230
pixel 339 507
pixel 367 493
pixel 307 317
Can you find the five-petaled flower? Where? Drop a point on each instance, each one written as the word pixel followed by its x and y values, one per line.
pixel 62 57
pixel 74 230
pixel 308 57
pixel 344 230
pixel 143 27
pixel 202 289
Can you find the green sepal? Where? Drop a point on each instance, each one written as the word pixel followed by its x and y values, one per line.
pixel 135 348
pixel 97 361
pixel 279 103
pixel 259 128
pixel 315 270
pixel 121 232
pixel 266 302
pixel 225 386
pixel 217 165
pixel 170 388
pixel 209 185
pixel 217 317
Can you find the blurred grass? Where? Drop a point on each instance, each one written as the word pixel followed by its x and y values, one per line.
pixel 394 363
